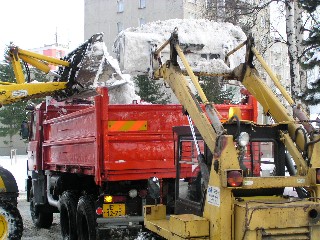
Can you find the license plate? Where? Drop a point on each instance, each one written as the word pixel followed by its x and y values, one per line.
pixel 114 210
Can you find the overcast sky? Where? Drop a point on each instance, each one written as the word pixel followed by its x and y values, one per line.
pixel 33 23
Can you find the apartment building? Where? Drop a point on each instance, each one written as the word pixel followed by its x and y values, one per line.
pixel 112 16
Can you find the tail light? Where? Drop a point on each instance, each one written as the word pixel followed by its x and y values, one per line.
pixel 318 175
pixel 234 178
pixel 143 193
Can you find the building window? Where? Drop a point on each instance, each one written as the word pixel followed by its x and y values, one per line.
pixel 119 26
pixel 142 21
pixel 262 22
pixel 142 3
pixel 120 6
pixel 209 4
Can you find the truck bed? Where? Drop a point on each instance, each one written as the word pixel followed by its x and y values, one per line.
pixel 116 142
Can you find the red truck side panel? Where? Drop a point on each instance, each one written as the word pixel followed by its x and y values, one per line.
pixel 141 153
pixel 116 142
pixel 70 142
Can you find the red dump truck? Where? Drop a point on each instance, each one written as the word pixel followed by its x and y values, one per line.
pixel 90 161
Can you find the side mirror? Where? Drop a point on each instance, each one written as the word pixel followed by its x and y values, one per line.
pixel 154 187
pixel 30 107
pixel 24 131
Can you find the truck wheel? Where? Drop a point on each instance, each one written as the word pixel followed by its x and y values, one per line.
pixel 11 225
pixel 86 220
pixel 40 219
pixel 68 213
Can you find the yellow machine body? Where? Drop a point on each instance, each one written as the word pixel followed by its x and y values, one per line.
pixel 14 92
pixel 252 217
pixel 10 93
pixel 178 227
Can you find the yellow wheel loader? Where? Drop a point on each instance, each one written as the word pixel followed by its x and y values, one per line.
pixel 11 225
pixel 231 198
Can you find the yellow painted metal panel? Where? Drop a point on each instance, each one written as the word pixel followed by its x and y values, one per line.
pixel 16 92
pixel 51 60
pixel 156 221
pixel 36 63
pixel 234 111
pixel 154 212
pixel 189 225
pixel 2 185
pixel 276 217
pixel 275 182
pixel 315 233
pixel 161 227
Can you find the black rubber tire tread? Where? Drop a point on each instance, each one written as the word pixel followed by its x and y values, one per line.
pixel 86 220
pixel 14 220
pixel 40 219
pixel 68 215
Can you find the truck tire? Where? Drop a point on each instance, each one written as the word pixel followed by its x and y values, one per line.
pixel 68 214
pixel 11 225
pixel 40 219
pixel 86 220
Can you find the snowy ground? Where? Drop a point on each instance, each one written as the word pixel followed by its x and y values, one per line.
pixel 18 167
pixel 30 232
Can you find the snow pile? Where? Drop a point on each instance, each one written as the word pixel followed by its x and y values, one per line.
pixel 120 86
pixel 199 38
pixel 215 65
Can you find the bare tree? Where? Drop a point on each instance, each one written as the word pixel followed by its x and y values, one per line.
pixel 246 14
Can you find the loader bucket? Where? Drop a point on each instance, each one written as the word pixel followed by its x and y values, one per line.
pixel 89 68
pixel 204 43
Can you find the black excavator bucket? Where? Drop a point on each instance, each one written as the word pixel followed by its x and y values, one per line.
pixel 88 69
pixel 85 62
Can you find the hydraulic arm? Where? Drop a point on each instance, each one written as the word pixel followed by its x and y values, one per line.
pixel 172 74
pixel 76 74
pixel 22 89
pixel 235 204
pixel 301 135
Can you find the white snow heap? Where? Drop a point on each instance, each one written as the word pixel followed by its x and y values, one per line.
pixel 120 86
pixel 201 39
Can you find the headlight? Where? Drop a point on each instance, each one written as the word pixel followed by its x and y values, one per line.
pixel 243 139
